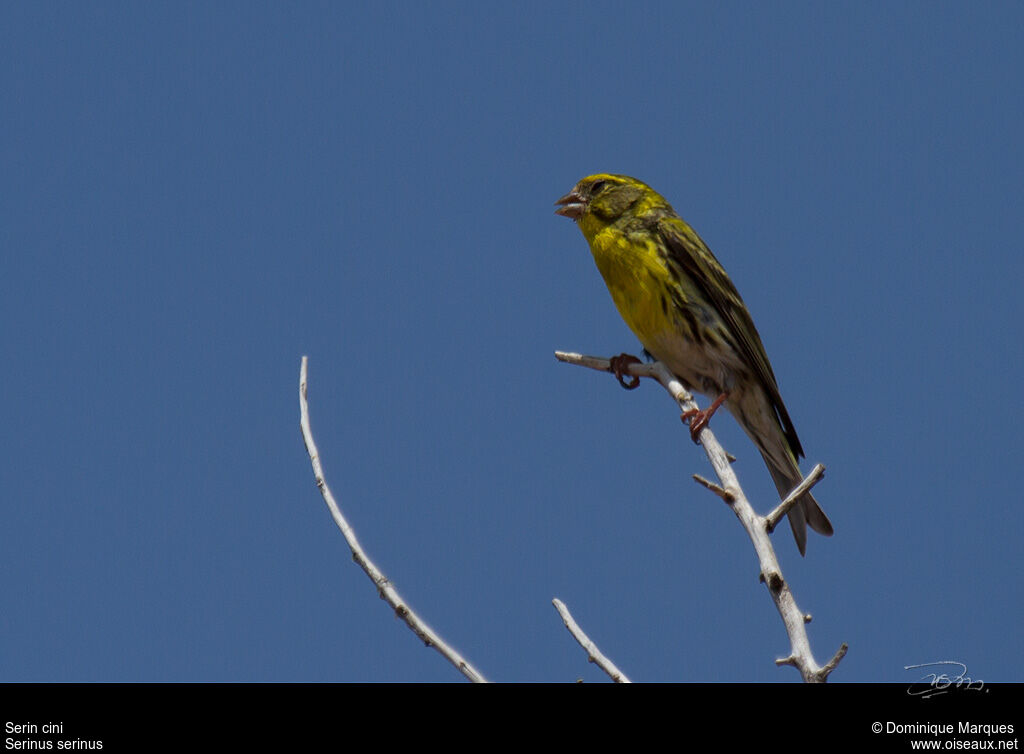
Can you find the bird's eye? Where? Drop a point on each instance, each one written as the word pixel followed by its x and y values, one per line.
pixel 596 186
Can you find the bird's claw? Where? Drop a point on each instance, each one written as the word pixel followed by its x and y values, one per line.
pixel 699 419
pixel 620 365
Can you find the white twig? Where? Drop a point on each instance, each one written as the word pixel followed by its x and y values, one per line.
pixel 800 656
pixel 384 587
pixel 773 518
pixel 722 493
pixel 593 653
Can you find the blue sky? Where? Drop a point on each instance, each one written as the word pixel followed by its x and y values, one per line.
pixel 196 195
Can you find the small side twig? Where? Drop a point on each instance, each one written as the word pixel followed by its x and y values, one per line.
pixel 831 664
pixel 773 518
pixel 593 653
pixel 384 586
pixel 718 490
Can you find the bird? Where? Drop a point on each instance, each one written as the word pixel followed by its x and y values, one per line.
pixel 678 300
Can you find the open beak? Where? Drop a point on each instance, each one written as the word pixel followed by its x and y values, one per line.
pixel 572 205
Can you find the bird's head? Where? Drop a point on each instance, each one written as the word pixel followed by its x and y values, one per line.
pixel 603 199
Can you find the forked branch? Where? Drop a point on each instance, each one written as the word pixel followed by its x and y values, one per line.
pixel 758 528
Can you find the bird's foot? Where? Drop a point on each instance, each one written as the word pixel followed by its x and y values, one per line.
pixel 620 364
pixel 699 419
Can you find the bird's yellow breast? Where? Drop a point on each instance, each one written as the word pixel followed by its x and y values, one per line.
pixel 638 280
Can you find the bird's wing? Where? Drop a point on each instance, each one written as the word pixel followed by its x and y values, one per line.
pixel 691 254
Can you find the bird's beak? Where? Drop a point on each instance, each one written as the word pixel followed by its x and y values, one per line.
pixel 573 205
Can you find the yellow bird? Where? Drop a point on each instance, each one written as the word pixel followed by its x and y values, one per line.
pixel 676 297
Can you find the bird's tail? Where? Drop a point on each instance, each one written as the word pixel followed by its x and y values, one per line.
pixel 806 511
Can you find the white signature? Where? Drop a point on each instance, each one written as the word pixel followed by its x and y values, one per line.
pixel 936 682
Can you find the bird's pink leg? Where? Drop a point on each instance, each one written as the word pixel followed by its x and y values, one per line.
pixel 699 419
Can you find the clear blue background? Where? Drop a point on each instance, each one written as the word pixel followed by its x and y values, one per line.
pixel 195 196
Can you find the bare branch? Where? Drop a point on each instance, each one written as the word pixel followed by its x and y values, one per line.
pixel 384 586
pixel 593 653
pixel 800 656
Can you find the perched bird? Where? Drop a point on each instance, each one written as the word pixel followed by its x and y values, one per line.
pixel 676 297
